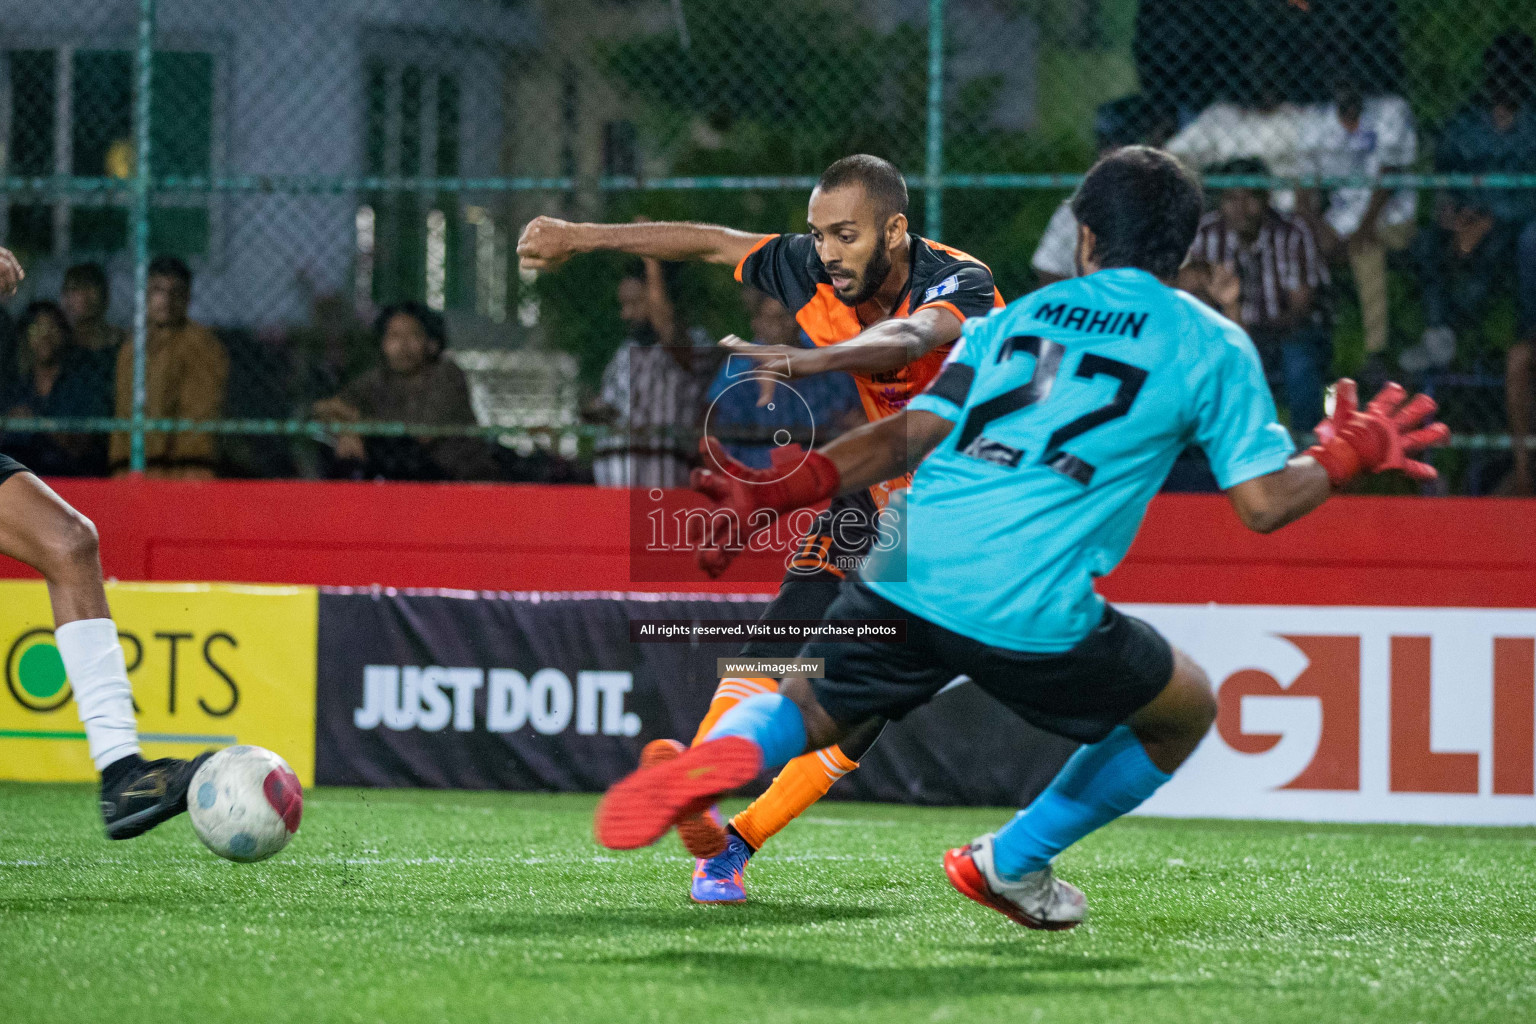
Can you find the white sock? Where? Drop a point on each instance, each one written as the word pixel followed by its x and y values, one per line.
pixel 93 658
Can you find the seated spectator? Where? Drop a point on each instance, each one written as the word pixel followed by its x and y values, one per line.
pixel 185 376
pixel 57 379
pixel 333 348
pixel 1262 269
pixel 651 389
pixel 85 297
pixel 415 385
pixel 1480 236
pixel 752 412
pixel 1364 137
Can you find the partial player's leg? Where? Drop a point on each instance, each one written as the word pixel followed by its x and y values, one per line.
pixel 865 681
pixel 799 784
pixel 808 589
pixel 39 528
pixel 1111 776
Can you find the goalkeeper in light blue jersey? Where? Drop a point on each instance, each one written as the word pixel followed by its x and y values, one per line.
pixel 1051 426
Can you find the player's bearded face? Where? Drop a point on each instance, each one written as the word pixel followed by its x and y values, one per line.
pixel 851 242
pixel 867 281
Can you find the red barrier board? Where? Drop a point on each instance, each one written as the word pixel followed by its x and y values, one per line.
pixel 1354 551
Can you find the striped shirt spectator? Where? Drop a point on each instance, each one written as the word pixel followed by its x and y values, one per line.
pixel 1262 269
pixel 1280 259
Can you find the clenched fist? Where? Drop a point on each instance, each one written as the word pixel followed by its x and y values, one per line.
pixel 10 273
pixel 546 242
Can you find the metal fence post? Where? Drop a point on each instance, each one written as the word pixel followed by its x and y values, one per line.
pixel 933 205
pixel 144 67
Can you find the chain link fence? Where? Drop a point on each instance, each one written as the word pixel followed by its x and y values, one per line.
pixel 311 165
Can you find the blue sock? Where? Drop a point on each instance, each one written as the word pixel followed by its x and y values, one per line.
pixel 770 720
pixel 1100 783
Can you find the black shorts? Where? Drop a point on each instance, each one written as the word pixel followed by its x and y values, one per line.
pixel 1081 694
pixel 9 467
pixel 836 543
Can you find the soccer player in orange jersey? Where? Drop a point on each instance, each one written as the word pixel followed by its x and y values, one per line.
pixel 878 302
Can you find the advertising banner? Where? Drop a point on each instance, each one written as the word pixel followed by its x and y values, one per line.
pixel 211 665
pixel 547 691
pixel 1359 714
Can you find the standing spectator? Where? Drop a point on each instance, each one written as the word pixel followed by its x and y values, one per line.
pixel 1269 133
pixel 85 297
pixel 58 379
pixel 414 385
pixel 1472 251
pixel 752 412
pixel 1359 137
pixel 1128 121
pixel 185 376
pixel 1262 269
pixel 650 390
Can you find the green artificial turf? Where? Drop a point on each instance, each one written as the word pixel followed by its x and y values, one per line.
pixel 467 907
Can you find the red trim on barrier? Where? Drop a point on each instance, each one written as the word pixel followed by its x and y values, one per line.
pixel 1361 551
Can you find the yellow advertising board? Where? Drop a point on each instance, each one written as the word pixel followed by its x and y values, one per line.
pixel 211 665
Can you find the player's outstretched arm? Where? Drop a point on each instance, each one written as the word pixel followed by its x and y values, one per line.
pixel 888 345
pixel 1352 441
pixel 861 458
pixel 547 242
pixel 885 449
pixel 1266 503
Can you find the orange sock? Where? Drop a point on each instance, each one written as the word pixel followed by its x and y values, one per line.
pixel 732 691
pixel 800 784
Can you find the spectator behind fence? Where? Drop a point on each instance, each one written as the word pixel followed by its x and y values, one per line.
pixel 1262 269
pixel 753 412
pixel 85 297
pixel 1270 132
pixel 1128 121
pixel 1364 137
pixel 57 378
pixel 416 385
pixel 185 374
pixel 651 389
pixel 1483 241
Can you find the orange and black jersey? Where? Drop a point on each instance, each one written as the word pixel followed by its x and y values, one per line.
pixel 787 268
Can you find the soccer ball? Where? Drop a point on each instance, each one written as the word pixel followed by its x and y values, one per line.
pixel 245 803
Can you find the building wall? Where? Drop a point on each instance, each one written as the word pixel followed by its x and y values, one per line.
pixel 288 99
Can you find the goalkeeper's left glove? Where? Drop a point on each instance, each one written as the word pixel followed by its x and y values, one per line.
pixel 795 479
pixel 1380 437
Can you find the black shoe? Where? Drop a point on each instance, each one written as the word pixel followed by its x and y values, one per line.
pixel 137 795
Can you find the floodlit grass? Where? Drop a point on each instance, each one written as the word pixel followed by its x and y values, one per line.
pixel 466 907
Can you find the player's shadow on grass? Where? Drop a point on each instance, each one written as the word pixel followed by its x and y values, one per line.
pixel 684 918
pixel 798 979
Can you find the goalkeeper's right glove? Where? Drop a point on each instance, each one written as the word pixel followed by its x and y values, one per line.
pixel 1381 437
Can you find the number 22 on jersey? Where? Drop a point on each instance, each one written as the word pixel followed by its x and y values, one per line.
pixel 1037 390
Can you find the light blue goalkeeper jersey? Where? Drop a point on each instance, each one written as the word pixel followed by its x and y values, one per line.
pixel 1070 406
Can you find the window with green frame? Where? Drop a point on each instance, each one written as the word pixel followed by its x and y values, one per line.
pixel 411 129
pixel 99 139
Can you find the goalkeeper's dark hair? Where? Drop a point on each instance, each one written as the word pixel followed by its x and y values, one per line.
pixel 1143 207
pixel 880 179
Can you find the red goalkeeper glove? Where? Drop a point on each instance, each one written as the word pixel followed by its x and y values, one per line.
pixel 795 479
pixel 1380 437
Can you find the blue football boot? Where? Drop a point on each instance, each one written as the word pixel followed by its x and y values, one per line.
pixel 720 878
